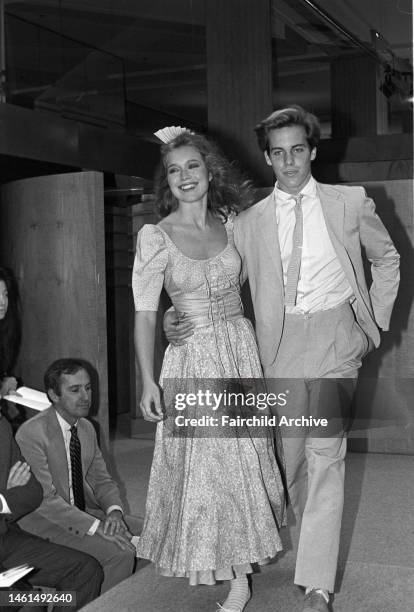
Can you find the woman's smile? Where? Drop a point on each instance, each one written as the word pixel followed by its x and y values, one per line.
pixel 188 186
pixel 187 174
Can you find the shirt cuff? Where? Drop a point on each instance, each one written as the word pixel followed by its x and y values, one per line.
pixel 114 507
pixel 4 506
pixel 93 528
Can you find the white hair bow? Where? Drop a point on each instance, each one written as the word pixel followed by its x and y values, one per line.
pixel 168 134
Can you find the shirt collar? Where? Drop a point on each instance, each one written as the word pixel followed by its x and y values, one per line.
pixel 282 197
pixel 64 425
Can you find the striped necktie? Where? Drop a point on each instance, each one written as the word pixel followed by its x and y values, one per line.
pixel 292 276
pixel 76 466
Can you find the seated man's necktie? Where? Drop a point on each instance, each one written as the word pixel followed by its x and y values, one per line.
pixel 76 466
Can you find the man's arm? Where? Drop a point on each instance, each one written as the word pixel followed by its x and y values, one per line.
pixel 177 328
pixel 105 489
pixel 384 259
pixel 20 499
pixel 238 241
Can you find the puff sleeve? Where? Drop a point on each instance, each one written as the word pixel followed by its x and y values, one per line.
pixel 149 266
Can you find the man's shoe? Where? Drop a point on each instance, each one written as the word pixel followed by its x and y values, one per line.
pixel 315 602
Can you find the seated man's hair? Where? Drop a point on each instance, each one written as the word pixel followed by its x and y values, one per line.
pixel 54 372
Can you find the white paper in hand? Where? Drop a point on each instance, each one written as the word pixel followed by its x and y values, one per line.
pixel 10 576
pixel 37 400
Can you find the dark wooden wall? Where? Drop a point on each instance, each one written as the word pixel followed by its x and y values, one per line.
pixel 376 158
pixel 119 254
pixel 359 108
pixel 52 235
pixel 384 406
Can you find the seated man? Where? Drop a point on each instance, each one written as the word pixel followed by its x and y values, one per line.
pixel 55 566
pixel 81 505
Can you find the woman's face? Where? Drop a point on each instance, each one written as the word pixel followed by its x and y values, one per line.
pixel 4 300
pixel 187 174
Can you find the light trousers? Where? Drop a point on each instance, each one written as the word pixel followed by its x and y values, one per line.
pixel 317 362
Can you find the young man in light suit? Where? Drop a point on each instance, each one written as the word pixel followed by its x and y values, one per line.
pixel 315 321
pixel 93 523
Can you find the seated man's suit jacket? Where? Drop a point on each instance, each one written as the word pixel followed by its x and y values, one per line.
pixel 42 444
pixel 352 224
pixel 22 499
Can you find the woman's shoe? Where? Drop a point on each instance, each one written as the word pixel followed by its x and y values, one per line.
pixel 238 609
pixel 238 596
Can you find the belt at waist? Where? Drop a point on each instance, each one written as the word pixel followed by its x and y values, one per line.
pixel 202 309
pixel 320 313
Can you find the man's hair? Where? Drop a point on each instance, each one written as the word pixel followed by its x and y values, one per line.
pixel 52 377
pixel 287 117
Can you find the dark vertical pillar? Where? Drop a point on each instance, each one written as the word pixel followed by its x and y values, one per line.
pixel 52 235
pixel 359 108
pixel 239 78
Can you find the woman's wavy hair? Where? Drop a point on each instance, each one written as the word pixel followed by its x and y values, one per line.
pixel 10 325
pixel 228 192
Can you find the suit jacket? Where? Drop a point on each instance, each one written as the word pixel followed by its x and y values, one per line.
pixel 351 222
pixel 20 500
pixel 42 444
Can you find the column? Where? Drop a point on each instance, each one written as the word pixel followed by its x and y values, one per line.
pixel 359 108
pixel 239 78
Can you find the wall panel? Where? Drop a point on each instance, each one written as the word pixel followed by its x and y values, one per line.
pixel 52 235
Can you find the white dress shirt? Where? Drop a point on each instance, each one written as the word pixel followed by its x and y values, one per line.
pixel 65 427
pixel 4 505
pixel 322 282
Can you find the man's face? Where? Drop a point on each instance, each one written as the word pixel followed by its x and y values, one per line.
pixel 74 400
pixel 290 157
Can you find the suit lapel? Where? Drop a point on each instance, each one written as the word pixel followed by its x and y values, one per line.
pixel 333 207
pixel 270 235
pixel 58 451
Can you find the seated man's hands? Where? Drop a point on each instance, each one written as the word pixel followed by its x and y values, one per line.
pixel 122 540
pixel 115 523
pixel 19 475
pixel 177 327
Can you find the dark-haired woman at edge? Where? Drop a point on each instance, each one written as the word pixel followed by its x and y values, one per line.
pixel 10 331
